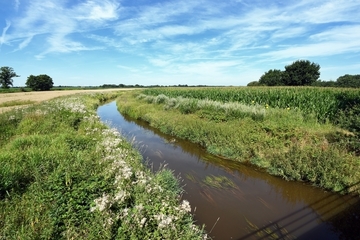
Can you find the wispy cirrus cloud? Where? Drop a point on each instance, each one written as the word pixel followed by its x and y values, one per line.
pixel 3 35
pixel 57 23
pixel 187 36
pixel 337 40
pixel 17 4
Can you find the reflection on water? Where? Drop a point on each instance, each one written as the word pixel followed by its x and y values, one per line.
pixel 236 201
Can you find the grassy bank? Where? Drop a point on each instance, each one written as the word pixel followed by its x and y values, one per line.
pixel 283 141
pixel 16 103
pixel 64 175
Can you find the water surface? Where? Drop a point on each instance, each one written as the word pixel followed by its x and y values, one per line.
pixel 236 201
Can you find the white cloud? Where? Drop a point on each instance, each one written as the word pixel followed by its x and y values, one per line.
pixel 57 23
pixel 97 10
pixel 24 43
pixel 194 37
pixel 127 68
pixel 17 4
pixel 3 35
pixel 338 40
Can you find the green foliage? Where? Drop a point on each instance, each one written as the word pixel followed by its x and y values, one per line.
pixel 352 81
pixel 253 84
pixel 286 142
pixel 272 78
pixel 64 175
pixel 320 83
pixel 39 83
pixel 6 76
pixel 16 103
pixel 301 73
pixel 325 104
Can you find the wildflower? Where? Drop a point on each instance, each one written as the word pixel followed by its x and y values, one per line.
pixel 101 203
pixel 120 196
pixel 185 206
pixel 142 221
pixel 139 207
pixel 164 220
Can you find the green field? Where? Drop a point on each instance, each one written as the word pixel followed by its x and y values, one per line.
pixel 304 134
pixel 65 175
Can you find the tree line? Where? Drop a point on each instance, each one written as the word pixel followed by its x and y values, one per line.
pixel 299 73
pixel 40 82
pixel 303 73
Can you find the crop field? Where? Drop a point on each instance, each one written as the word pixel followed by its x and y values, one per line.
pixel 10 100
pixel 325 103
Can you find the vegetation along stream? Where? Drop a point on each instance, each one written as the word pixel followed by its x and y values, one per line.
pixel 236 201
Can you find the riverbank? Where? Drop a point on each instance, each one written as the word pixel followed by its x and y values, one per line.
pixel 65 175
pixel 283 142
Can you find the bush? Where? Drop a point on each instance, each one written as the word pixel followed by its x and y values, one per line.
pixel 40 83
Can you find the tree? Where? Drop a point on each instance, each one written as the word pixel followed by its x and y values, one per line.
pixel 320 83
pixel 6 75
pixel 273 77
pixel 253 84
pixel 347 80
pixel 301 73
pixel 39 83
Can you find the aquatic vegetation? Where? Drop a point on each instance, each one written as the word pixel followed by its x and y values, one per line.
pixel 219 182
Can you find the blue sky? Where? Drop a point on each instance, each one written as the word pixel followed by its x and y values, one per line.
pixel 149 42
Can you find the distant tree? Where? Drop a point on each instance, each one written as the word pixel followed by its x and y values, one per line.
pixel 352 81
pixel 253 84
pixel 6 76
pixel 301 73
pixel 39 83
pixel 320 83
pixel 273 77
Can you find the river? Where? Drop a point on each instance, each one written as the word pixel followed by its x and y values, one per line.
pixel 236 201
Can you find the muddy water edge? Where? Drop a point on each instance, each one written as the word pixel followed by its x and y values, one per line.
pixel 236 201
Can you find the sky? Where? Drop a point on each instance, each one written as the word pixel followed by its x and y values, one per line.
pixel 193 42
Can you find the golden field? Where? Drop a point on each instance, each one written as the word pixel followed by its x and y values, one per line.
pixel 41 96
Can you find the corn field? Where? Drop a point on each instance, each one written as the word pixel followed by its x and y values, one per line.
pixel 324 103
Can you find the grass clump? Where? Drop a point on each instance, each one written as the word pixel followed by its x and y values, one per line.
pixel 282 141
pixel 65 175
pixel 16 103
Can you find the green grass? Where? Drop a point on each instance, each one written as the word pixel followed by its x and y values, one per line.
pixel 65 175
pixel 14 89
pixel 16 103
pixel 283 142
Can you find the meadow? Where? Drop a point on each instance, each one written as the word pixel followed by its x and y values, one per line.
pixel 65 175
pixel 303 133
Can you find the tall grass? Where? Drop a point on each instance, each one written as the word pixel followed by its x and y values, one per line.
pixel 65 175
pixel 16 103
pixel 284 142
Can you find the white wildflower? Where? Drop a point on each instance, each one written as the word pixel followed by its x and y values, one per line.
pixel 185 206
pixel 142 221
pixel 120 196
pixel 101 203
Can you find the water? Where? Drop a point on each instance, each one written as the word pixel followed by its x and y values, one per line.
pixel 236 201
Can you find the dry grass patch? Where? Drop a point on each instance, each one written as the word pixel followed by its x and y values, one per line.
pixel 34 97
